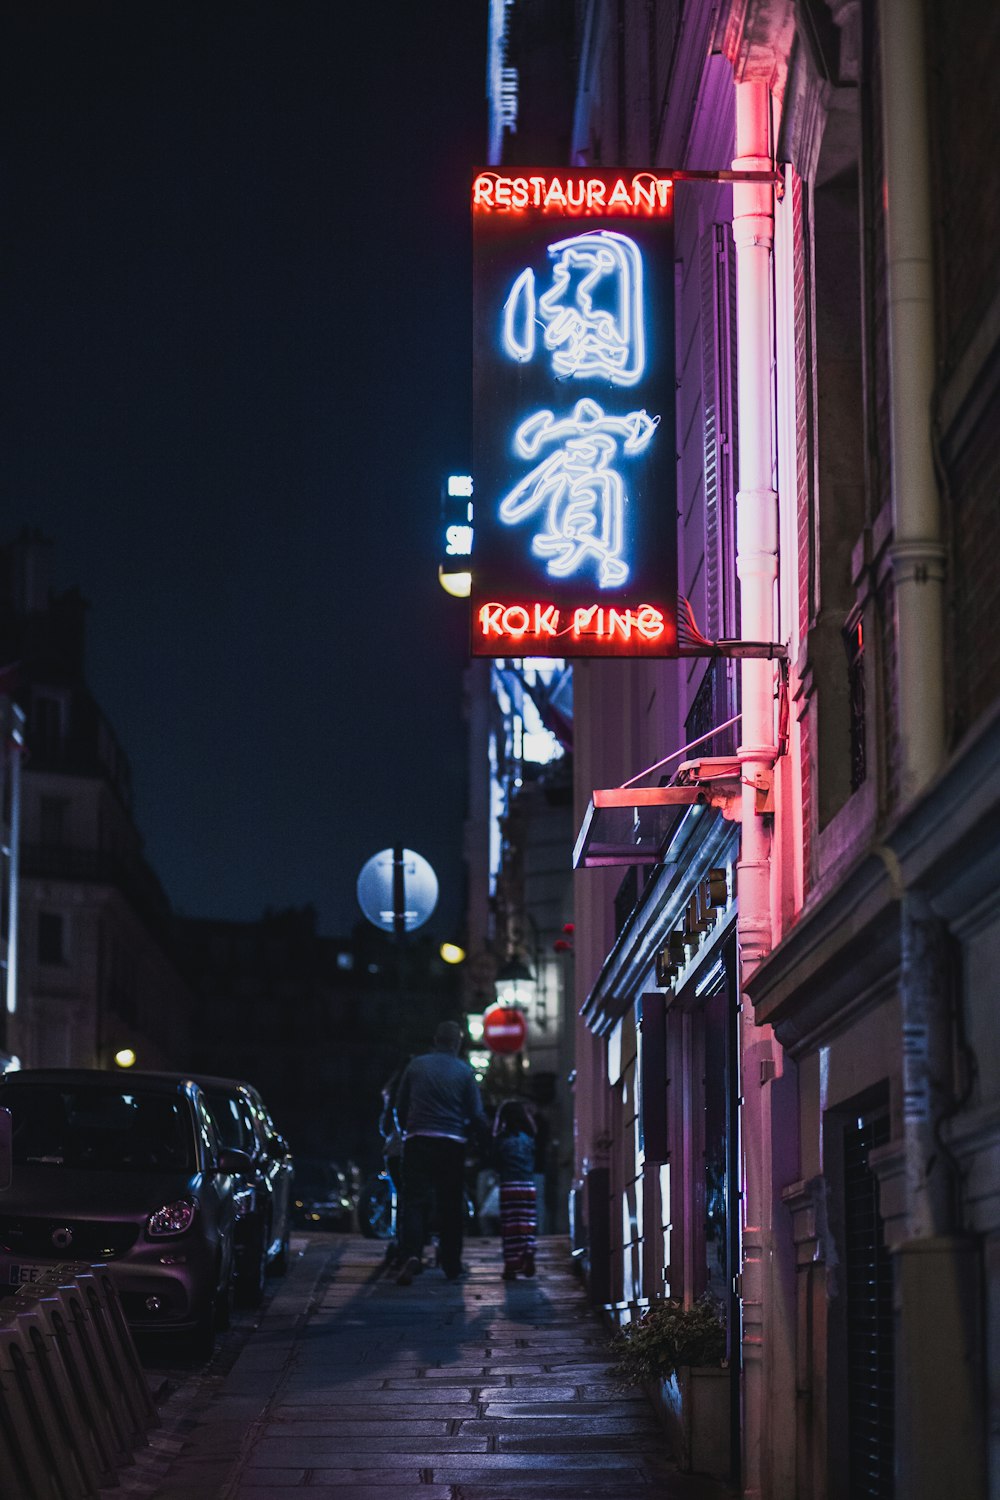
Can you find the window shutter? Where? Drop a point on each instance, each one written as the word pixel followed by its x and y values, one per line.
pixel 718 323
pixel 718 326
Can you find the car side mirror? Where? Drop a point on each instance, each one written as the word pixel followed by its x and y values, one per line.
pixel 6 1149
pixel 235 1163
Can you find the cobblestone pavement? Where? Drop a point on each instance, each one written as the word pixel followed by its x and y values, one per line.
pixel 357 1389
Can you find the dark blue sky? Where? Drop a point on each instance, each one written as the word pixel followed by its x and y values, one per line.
pixel 235 280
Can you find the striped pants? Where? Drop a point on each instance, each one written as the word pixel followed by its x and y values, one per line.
pixel 518 1220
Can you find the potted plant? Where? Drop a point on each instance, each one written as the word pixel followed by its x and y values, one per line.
pixel 677 1354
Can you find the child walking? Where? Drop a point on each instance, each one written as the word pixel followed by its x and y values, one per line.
pixel 514 1135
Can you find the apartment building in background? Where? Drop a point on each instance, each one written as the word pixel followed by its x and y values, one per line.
pixel 96 969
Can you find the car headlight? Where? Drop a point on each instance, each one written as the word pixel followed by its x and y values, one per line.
pixel 172 1218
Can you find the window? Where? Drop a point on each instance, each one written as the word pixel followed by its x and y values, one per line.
pixel 53 821
pixel 234 1121
pixel 718 354
pixel 840 431
pixel 51 937
pixel 48 723
pixel 854 642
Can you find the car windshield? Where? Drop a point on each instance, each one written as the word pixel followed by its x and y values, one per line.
pixel 103 1129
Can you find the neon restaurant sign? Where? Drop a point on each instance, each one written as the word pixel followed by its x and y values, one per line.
pixel 574 449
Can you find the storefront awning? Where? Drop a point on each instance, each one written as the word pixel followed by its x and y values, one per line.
pixel 631 825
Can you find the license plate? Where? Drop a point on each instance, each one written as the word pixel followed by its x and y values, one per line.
pixel 23 1275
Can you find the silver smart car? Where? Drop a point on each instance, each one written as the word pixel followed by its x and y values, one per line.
pixel 126 1169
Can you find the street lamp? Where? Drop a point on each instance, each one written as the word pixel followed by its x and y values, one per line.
pixel 515 984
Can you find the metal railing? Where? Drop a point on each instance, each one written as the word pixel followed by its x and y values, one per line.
pixel 74 1402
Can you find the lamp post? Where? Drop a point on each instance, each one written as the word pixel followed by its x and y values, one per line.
pixel 397 891
pixel 515 984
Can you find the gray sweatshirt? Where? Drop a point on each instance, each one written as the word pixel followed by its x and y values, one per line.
pixel 438 1095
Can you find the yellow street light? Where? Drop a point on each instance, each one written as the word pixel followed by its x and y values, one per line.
pixel 458 584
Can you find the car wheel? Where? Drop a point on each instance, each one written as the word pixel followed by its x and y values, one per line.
pixel 201 1340
pixel 375 1209
pixel 224 1305
pixel 253 1271
pixel 280 1263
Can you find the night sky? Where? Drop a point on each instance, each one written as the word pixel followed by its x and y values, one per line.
pixel 236 309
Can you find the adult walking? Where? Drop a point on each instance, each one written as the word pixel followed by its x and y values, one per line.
pixel 437 1105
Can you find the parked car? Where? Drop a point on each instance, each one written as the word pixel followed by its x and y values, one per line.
pixel 130 1170
pixel 264 1195
pixel 323 1196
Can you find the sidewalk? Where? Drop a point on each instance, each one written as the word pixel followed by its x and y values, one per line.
pixel 356 1389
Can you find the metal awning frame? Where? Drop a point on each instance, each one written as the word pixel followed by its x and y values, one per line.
pixel 596 847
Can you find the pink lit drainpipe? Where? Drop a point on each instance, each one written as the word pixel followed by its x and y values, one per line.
pixel 757 568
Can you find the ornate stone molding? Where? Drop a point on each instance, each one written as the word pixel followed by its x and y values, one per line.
pixel 806 1202
pixel 757 38
pixel 803 117
pixel 847 19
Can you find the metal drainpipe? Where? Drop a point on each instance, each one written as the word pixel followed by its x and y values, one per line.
pixel 757 568
pixel 918 553
pixel 918 573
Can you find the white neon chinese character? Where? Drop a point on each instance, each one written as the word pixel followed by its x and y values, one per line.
pixel 582 496
pixel 591 314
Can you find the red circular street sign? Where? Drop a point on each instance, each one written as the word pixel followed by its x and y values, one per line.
pixel 504 1028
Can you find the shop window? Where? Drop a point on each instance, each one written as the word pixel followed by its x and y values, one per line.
pixel 717 1269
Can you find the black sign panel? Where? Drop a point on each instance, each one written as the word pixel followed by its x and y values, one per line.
pixel 574 445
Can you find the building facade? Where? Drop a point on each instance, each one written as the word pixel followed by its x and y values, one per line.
pixel 96 967
pixel 319 1024
pixel 520 907
pixel 786 1093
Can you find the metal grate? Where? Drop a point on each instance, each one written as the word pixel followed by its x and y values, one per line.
pixel 870 1366
pixel 89 1239
pixel 715 702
